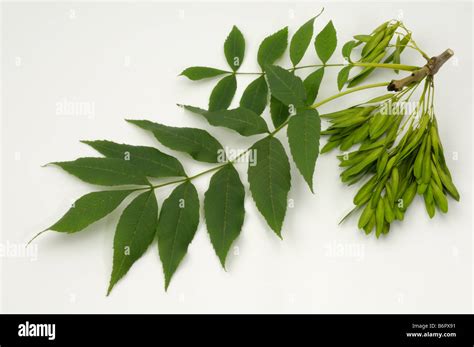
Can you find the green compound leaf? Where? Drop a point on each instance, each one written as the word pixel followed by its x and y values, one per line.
pixel 272 48
pixel 149 160
pixel 270 181
pixel 255 96
pixel 326 42
pixel 135 232
pixel 89 209
pixel 196 73
pixel 312 84
pixel 104 171
pixel 198 143
pixel 177 224
pixel 278 111
pixel 224 210
pixel 223 93
pixel 300 41
pixel 285 86
pixel 303 136
pixel 242 120
pixel 234 48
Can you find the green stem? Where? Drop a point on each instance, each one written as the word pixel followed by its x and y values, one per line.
pixel 417 109
pixel 315 65
pixel 349 91
pixel 388 66
pixel 415 46
pixel 377 65
pixel 249 73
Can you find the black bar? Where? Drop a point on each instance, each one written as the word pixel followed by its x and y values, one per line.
pixel 311 330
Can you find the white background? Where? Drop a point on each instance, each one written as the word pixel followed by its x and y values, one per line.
pixel 123 59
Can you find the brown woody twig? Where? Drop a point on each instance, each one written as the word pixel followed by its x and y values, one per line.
pixel 431 68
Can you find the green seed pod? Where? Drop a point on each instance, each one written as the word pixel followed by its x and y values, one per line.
pixel 344 118
pixel 435 175
pixel 421 188
pixel 338 137
pixel 373 42
pixel 367 110
pixel 361 133
pixel 409 195
pixel 388 212
pixel 429 202
pixel 353 170
pixel 370 225
pixel 362 38
pixel 387 125
pixel 330 146
pixel 381 162
pixel 399 214
pixel 390 30
pixel 347 142
pixel 392 134
pixel 365 216
pixel 390 164
pixel 354 179
pixel 350 111
pixel 371 145
pixel 349 122
pixel 426 173
pixel 395 180
pixel 379 217
pixel 443 165
pixel 388 192
pixel 426 176
pixel 380 48
pixel 330 131
pixel 439 197
pixel 365 72
pixel 365 192
pixel 416 136
pixel 386 228
pixel 417 167
pixel 348 156
pixel 403 185
pixel 350 162
pixel 380 28
pixel 335 137
pixel 377 193
pixel 447 182
pixel 435 142
pixel 378 122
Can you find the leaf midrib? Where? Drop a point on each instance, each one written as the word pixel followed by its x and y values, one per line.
pixel 290 88
pixel 178 222
pixel 142 212
pixel 188 139
pixel 139 157
pixel 120 172
pixel 226 202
